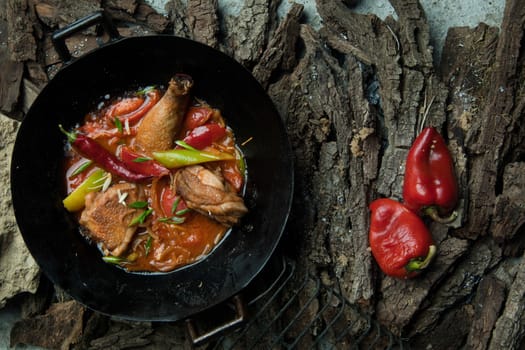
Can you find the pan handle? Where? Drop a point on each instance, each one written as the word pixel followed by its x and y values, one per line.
pixel 59 37
pixel 198 339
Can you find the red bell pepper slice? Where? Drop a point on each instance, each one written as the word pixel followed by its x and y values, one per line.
pixel 204 135
pixel 399 240
pixel 430 185
pixel 232 174
pixel 140 164
pixel 133 109
pixel 124 106
pixel 197 116
pixel 172 204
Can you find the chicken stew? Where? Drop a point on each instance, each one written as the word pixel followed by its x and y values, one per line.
pixel 155 177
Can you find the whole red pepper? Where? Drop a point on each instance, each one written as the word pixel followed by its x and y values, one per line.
pixel 430 185
pixel 399 240
pixel 91 149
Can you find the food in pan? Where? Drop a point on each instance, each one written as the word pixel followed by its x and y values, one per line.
pixel 154 177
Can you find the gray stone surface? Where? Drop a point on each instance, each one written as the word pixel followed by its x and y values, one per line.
pixel 443 14
pixel 18 271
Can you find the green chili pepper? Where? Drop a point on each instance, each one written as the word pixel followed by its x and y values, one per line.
pixel 77 199
pixel 182 157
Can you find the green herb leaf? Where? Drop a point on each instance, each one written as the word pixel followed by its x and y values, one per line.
pixel 118 124
pixel 141 159
pixel 145 90
pixel 173 220
pixel 185 145
pixel 141 218
pixel 82 167
pixel 147 245
pixel 182 212
pixel 175 205
pixel 138 205
pixel 177 220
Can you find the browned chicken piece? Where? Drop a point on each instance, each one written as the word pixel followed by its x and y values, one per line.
pixel 205 192
pixel 159 126
pixel 107 216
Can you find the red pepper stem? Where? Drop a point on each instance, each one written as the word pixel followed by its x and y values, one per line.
pixel 418 264
pixel 71 136
pixel 434 215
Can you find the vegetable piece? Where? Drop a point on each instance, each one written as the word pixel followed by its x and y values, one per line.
pixel 81 168
pixel 139 220
pixel 114 259
pixel 430 185
pixel 77 199
pixel 400 242
pixel 147 245
pixel 138 205
pixel 173 206
pixel 197 116
pixel 143 92
pixel 91 149
pixel 118 124
pixel 204 135
pixel 142 165
pixel 232 174
pixel 171 203
pixel 182 157
pixel 133 109
pixel 118 260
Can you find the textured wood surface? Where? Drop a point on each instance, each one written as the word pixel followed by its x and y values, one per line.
pixel 353 95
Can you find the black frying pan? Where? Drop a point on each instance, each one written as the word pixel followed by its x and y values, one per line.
pixel 52 235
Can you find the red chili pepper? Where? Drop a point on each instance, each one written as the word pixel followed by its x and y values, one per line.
pixel 204 135
pixel 430 185
pixel 400 242
pixel 140 164
pixel 89 148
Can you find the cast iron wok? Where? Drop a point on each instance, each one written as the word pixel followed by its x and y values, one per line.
pixel 52 234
